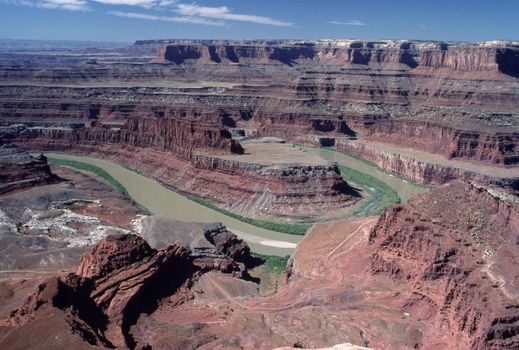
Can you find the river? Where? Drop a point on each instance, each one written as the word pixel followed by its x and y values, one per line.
pixel 162 201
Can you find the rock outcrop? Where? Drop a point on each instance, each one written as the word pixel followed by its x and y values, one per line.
pixel 18 169
pixel 456 249
pixel 205 241
pixel 117 280
pixel 118 288
pixel 424 168
pixel 502 59
pixel 180 137
pixel 458 100
pixel 113 253
pixel 496 148
pixel 437 272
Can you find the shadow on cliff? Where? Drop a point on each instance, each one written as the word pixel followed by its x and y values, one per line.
pixel 345 188
pixel 170 282
pixel 508 62
pixel 172 285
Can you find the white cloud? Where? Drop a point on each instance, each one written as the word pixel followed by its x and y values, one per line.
pixel 166 3
pixel 188 13
pixel 225 13
pixel 70 5
pixel 352 22
pixel 141 3
pixel 177 19
pixel 18 2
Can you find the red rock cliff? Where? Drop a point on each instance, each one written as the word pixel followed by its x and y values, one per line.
pixel 497 148
pixel 181 137
pixel 457 250
pixel 18 169
pixel 484 57
pixel 165 149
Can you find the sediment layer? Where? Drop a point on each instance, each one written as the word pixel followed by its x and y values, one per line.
pixel 428 169
pixel 437 272
pixel 116 280
pixel 498 57
pixel 18 170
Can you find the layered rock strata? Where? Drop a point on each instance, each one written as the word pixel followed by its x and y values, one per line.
pixel 499 57
pixel 428 169
pixel 456 250
pixel 458 100
pixel 496 148
pixel 430 75
pixel 180 137
pixel 19 170
pixel 48 226
pixel 187 158
pixel 211 240
pixel 437 272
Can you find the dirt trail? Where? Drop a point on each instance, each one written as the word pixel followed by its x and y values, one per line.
pixel 364 228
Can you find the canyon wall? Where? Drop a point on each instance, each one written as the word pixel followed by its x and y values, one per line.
pixel 19 170
pixel 454 250
pixel 115 281
pixel 458 100
pixel 178 136
pixel 246 188
pixel 497 148
pixel 425 85
pixel 499 58
pixel 424 169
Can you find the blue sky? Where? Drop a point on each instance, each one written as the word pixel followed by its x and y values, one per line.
pixel 129 20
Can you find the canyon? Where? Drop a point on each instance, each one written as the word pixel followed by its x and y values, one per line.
pixel 456 100
pixel 415 248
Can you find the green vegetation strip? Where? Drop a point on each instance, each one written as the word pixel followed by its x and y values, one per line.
pixel 93 169
pixel 293 229
pixel 273 264
pixel 134 170
pixel 381 194
pixel 367 162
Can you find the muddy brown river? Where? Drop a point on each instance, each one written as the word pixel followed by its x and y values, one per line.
pixel 162 201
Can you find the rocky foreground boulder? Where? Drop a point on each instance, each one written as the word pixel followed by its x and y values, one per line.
pixel 119 278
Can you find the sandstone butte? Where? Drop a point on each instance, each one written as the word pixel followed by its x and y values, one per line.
pixel 438 272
